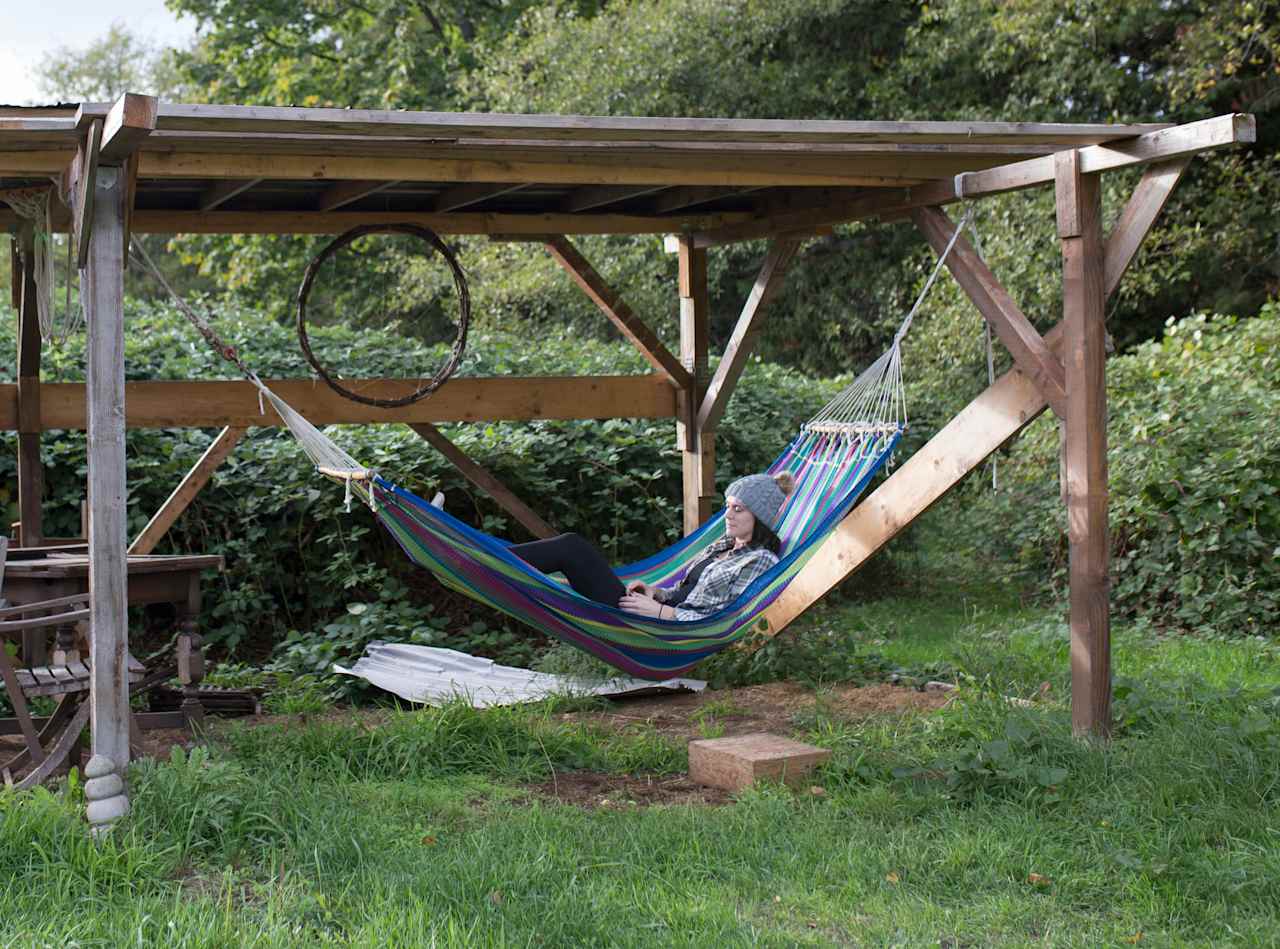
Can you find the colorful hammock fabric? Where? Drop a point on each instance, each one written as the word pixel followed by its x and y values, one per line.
pixel 831 471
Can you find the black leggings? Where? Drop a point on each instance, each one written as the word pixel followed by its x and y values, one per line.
pixel 577 558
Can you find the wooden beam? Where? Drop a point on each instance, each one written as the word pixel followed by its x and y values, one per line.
pixel 484 480
pixel 130 170
pixel 1079 199
pixel 463 196
pixel 768 281
pixel 30 468
pixel 617 310
pixel 1030 352
pixel 186 492
pixel 585 199
pixel 348 192
pixel 990 420
pixel 128 122
pixel 1177 142
pixel 85 191
pixel 1140 212
pixel 104 296
pixel 575 128
pixel 171 404
pixel 220 192
pixel 698 447
pixel 676 199
pixel 335 222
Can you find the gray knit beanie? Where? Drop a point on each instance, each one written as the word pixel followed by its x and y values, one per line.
pixel 761 495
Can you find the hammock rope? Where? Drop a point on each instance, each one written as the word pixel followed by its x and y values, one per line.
pixel 35 206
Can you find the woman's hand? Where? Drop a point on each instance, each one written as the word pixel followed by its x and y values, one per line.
pixel 635 602
pixel 639 586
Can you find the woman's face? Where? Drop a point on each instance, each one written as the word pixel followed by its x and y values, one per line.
pixel 739 523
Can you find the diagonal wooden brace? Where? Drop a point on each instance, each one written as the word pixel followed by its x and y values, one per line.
pixel 1030 352
pixel 772 271
pixel 616 309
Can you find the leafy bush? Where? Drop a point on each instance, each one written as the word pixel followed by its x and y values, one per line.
pixel 1194 476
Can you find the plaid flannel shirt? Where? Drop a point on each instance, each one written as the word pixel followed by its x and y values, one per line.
pixel 723 580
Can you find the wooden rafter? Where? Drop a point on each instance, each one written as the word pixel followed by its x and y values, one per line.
pixel 677 199
pixel 587 199
pixel 617 310
pixel 740 344
pixel 1030 352
pixel 348 192
pixel 483 479
pixel 463 196
pixel 533 225
pixel 169 404
pixel 126 125
pixel 221 192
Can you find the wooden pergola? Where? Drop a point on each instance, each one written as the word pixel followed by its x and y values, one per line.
pixel 139 165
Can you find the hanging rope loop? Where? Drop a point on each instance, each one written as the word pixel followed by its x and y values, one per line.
pixel 464 312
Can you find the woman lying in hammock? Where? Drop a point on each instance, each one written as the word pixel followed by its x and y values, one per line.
pixel 749 548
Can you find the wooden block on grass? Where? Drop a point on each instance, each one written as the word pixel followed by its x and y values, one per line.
pixel 737 763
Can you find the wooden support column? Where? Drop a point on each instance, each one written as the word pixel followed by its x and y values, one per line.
pixel 484 480
pixel 30 470
pixel 1079 207
pixel 104 370
pixel 186 492
pixel 698 446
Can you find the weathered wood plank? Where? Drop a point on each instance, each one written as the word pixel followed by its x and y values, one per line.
pixel 617 310
pixel 104 296
pixel 985 424
pixel 30 468
pixel 85 190
pixel 1162 145
pixel 186 491
pixel 216 404
pixel 738 349
pixel 698 447
pixel 483 479
pixel 335 222
pixel 1084 331
pixel 1029 351
pixel 127 123
pixel 221 192
pixel 275 119
pixel 1140 212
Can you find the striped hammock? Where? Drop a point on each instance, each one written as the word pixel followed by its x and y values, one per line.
pixel 833 458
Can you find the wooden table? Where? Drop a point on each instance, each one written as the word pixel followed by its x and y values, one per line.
pixel 32 575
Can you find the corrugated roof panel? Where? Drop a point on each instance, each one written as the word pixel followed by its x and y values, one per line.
pixel 434 676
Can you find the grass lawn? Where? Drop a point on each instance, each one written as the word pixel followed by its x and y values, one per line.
pixel 981 824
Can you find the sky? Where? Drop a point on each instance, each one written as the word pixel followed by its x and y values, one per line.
pixel 45 25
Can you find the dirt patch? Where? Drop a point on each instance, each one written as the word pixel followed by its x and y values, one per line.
pixel 593 791
pixel 774 707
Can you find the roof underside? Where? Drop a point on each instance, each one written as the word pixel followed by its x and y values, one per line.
pixel 280 170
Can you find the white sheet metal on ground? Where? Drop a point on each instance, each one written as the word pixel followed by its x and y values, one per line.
pixel 435 676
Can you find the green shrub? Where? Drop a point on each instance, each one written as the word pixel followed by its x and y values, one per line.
pixel 1194 457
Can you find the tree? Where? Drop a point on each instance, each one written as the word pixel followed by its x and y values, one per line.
pixel 118 62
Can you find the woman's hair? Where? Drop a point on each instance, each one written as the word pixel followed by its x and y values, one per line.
pixel 763 535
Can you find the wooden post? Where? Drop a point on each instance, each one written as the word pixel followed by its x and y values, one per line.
pixel 30 470
pixel 108 617
pixel 1079 207
pixel 697 446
